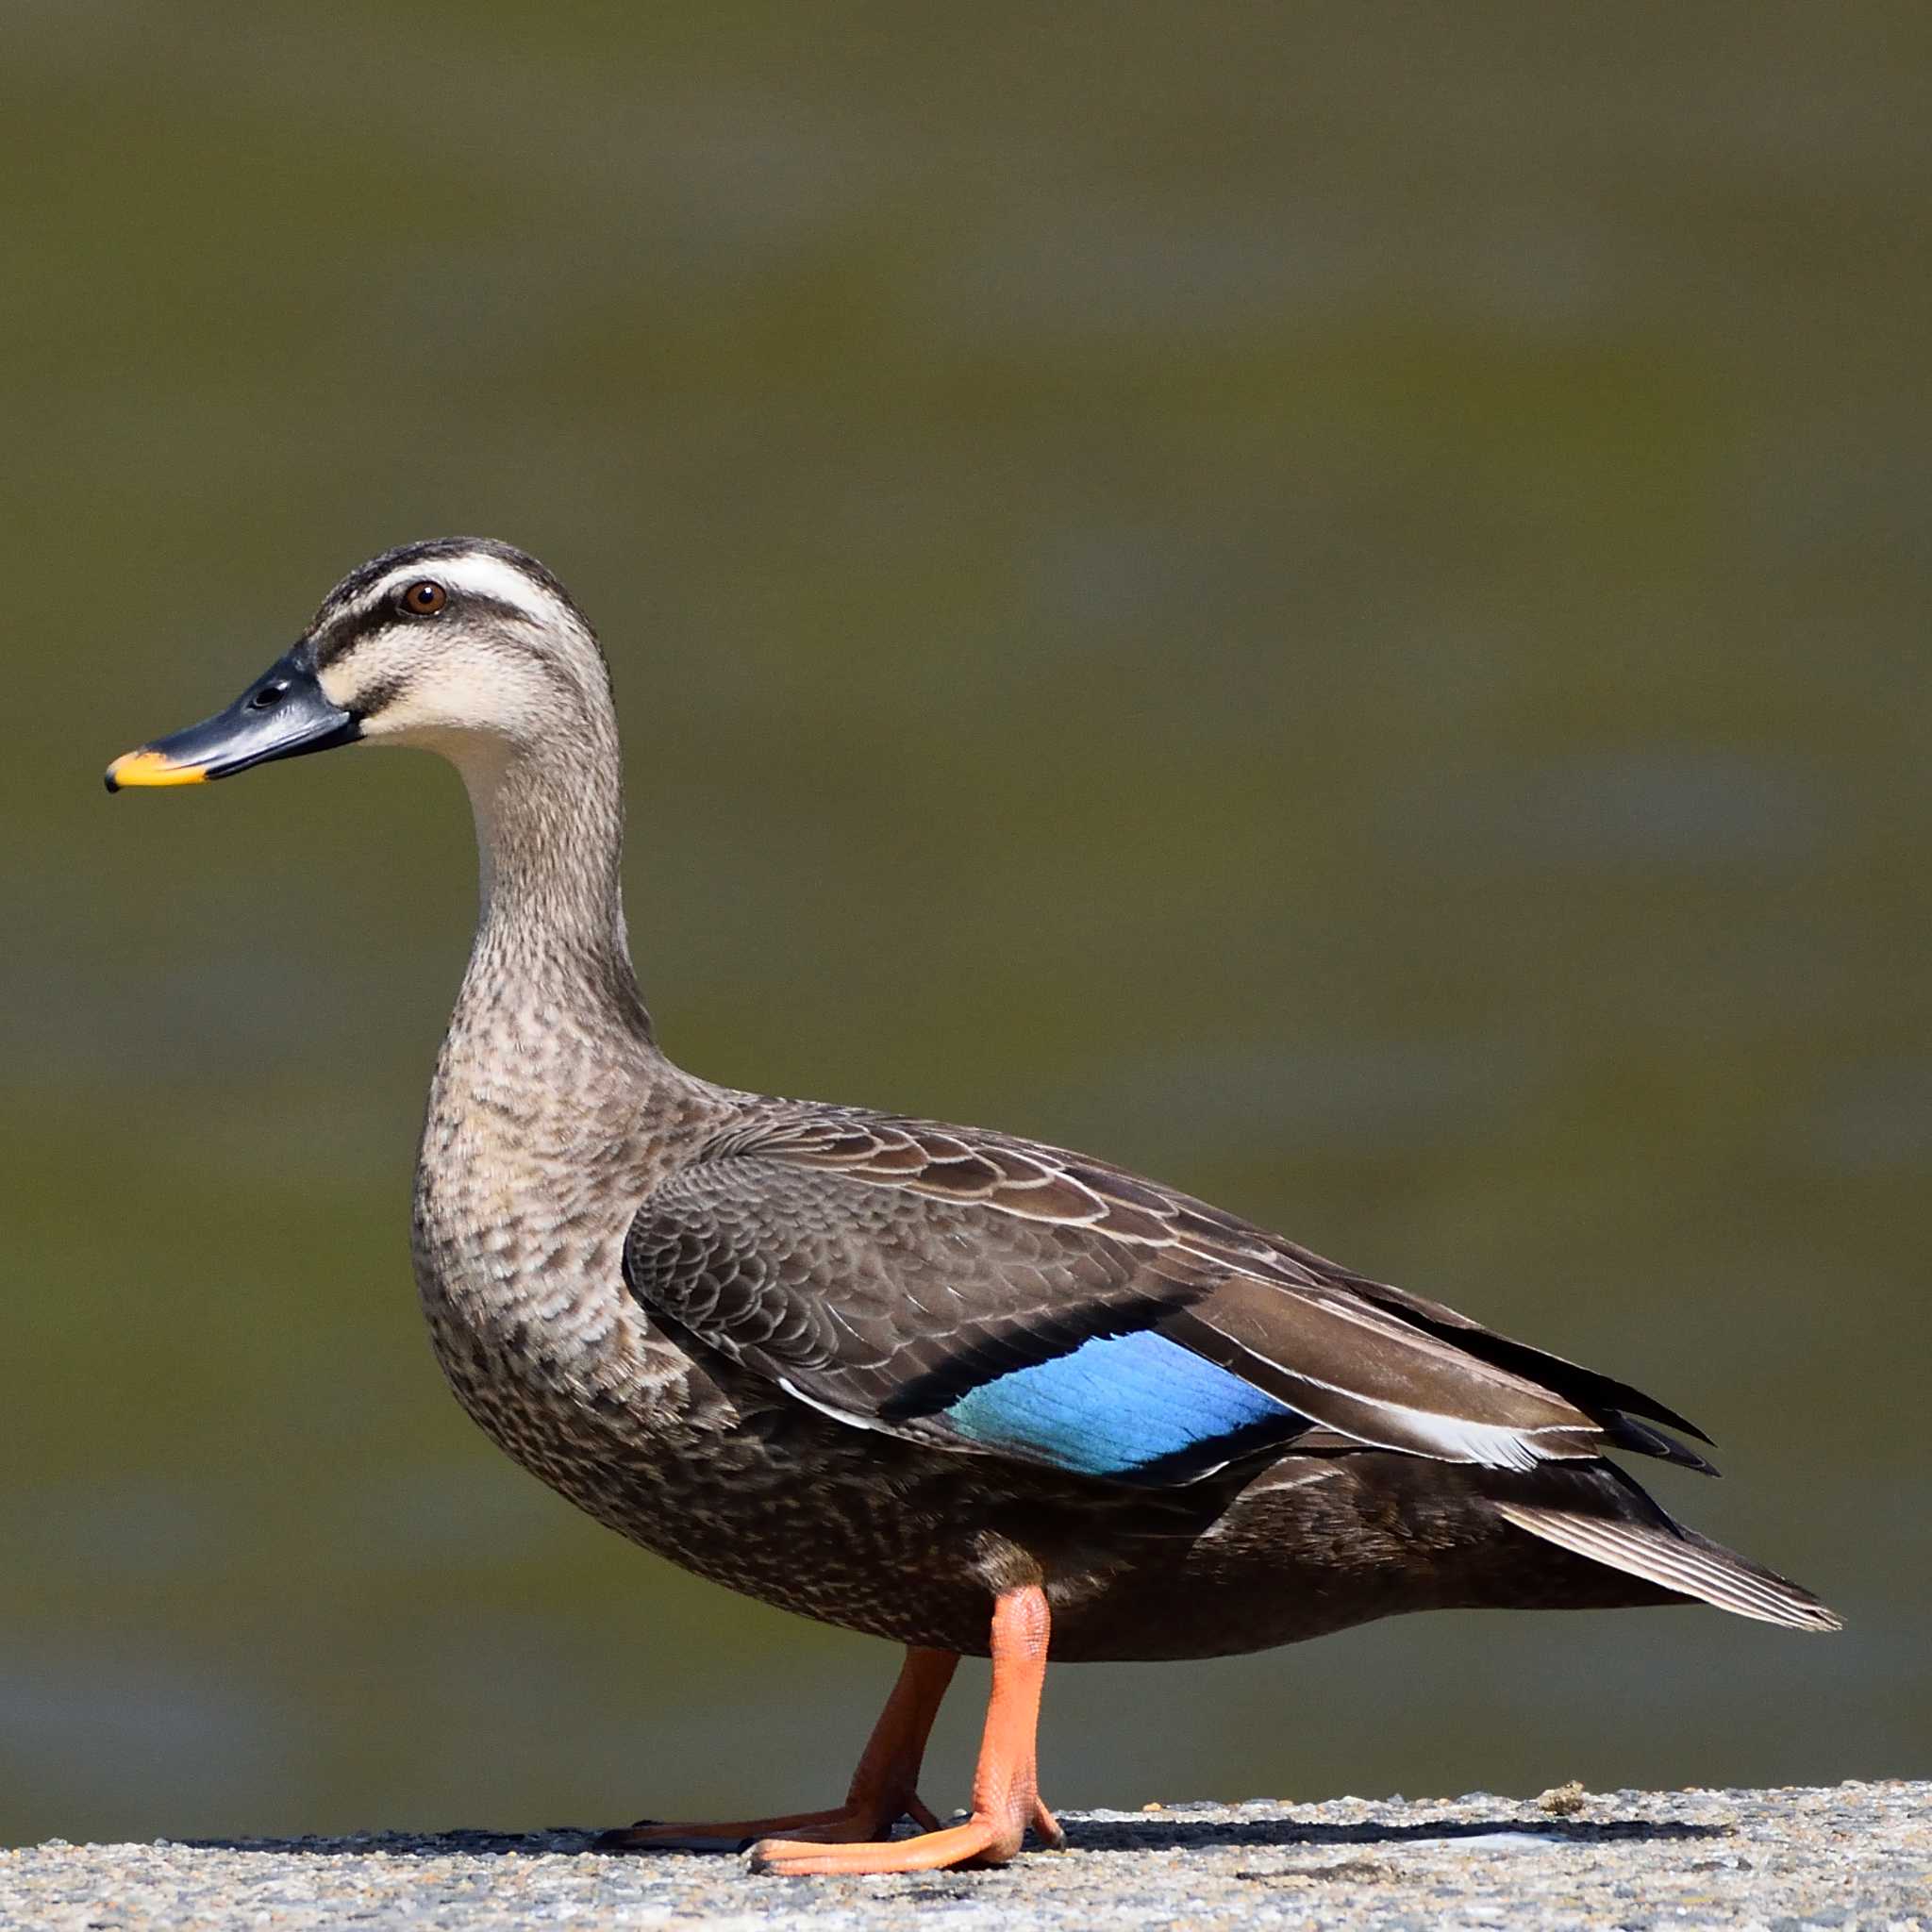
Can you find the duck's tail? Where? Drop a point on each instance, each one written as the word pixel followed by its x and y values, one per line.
pixel 1646 1542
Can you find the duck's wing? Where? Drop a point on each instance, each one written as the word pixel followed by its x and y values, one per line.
pixel 997 1296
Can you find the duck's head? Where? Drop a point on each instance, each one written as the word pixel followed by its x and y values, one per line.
pixel 463 646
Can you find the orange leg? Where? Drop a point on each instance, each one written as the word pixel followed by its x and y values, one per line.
pixel 883 1788
pixel 1005 1796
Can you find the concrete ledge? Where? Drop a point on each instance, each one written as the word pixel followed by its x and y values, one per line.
pixel 1858 1855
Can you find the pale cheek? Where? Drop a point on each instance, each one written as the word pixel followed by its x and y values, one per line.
pixel 406 721
pixel 484 694
pixel 474 702
pixel 409 720
pixel 335 687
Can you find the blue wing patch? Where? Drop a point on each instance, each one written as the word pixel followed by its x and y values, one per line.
pixel 1119 1405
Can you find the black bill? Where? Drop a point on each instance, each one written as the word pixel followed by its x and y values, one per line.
pixel 281 715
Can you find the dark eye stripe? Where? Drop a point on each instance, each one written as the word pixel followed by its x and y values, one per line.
pixel 346 633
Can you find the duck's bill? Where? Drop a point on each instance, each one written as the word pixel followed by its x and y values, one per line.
pixel 283 714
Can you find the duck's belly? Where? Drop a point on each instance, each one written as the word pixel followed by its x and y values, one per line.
pixel 670 1460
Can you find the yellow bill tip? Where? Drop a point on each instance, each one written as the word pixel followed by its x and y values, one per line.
pixel 152 768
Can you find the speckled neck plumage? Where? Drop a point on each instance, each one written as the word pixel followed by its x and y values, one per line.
pixel 550 838
pixel 551 1102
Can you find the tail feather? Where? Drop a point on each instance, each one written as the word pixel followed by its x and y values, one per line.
pixel 1627 1432
pixel 1677 1559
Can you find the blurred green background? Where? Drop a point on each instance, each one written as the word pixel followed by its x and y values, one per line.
pixel 1327 603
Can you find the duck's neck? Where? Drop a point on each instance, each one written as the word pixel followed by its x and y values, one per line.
pixel 551 938
pixel 551 1105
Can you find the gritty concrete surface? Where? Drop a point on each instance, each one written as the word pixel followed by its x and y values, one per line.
pixel 1858 1855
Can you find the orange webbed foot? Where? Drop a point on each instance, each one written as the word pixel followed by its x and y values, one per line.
pixel 980 1840
pixel 844 1823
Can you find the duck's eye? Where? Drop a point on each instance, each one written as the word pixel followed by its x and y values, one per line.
pixel 425 599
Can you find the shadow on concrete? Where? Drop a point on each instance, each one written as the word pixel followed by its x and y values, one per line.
pixel 1166 1834
pixel 1156 1832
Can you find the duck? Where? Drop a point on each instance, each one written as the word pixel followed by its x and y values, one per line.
pixel 956 1388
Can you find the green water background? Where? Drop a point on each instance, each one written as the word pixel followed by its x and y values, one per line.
pixel 1331 605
